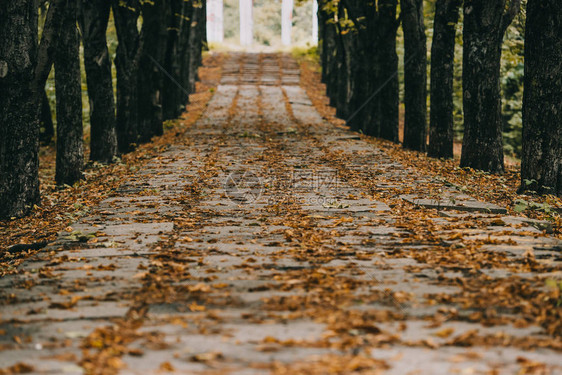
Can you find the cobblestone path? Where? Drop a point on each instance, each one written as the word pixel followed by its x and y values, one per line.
pixel 269 241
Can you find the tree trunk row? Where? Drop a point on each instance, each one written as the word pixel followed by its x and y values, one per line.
pixel 541 166
pixel 156 70
pixel 360 64
pixel 70 150
pixel 357 45
pixel 441 135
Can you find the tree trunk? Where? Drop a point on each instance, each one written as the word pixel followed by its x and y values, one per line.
pixel 322 38
pixel 126 15
pixel 485 22
pixel 362 60
pixel 332 62
pixel 45 58
pixel 203 28
pixel 328 49
pixel 19 127
pixel 47 48
pixel 373 107
pixel 94 15
pixel 541 164
pixel 344 76
pixel 70 151
pixel 348 74
pixel 172 99
pixel 441 123
pixel 150 80
pixel 364 19
pixel 385 112
pixel 46 121
pixel 195 45
pixel 415 75
pixel 184 52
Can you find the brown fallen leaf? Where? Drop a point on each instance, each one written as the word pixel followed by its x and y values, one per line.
pixel 467 356
pixel 465 339
pixel 207 357
pixel 529 367
pixel 199 288
pixel 18 368
pixel 167 366
pixel 135 352
pixel 66 305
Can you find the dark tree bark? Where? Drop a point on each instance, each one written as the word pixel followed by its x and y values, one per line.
pixel 172 98
pixel 541 164
pixel 332 67
pixel 70 151
pixel 329 50
pixel 184 52
pixel 441 136
pixel 45 58
pixel 46 121
pixel 485 23
pixel 384 115
pixel 47 48
pixel 126 15
pixel 363 16
pixel 373 106
pixel 19 128
pixel 344 88
pixel 415 75
pixel 195 44
pixel 322 19
pixel 93 18
pixel 150 80
pixel 203 28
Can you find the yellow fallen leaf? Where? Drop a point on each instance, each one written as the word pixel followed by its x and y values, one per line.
pixel 220 285
pixel 445 332
pixel 199 288
pixel 195 307
pixel 167 366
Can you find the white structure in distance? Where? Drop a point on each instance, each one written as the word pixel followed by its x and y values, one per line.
pixel 215 21
pixel 246 22
pixel 314 21
pixel 286 22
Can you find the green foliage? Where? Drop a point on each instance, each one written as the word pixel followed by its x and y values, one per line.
pixel 231 20
pixel 523 205
pixel 267 22
pixel 306 53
